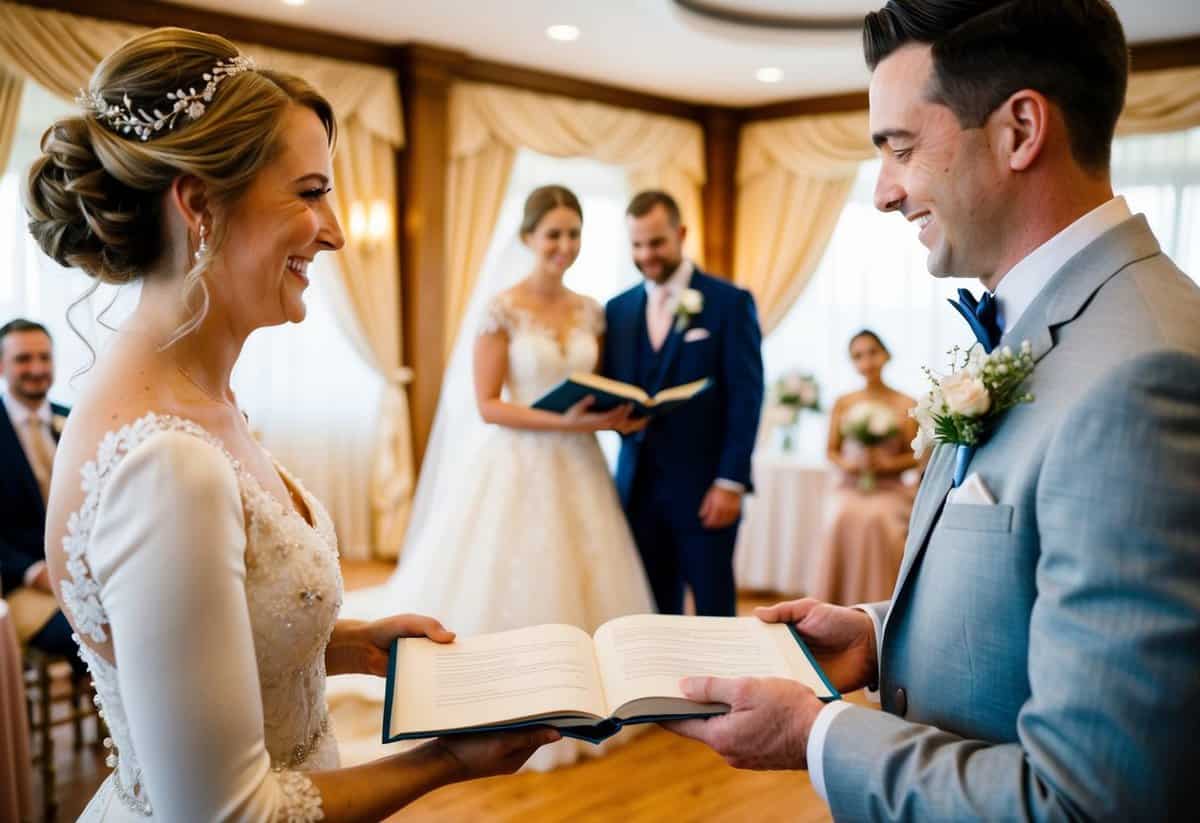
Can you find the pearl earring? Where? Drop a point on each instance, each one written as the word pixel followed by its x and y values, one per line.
pixel 203 248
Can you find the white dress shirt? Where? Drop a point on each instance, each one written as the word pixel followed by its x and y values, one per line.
pixel 675 285
pixel 1015 292
pixel 19 414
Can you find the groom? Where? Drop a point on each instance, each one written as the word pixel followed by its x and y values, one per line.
pixel 682 477
pixel 1040 656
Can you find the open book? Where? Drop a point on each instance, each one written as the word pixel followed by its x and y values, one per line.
pixel 611 393
pixel 587 688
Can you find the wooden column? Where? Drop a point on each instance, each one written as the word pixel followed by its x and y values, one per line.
pixel 426 75
pixel 722 127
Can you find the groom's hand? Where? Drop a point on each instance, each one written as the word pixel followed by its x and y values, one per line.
pixel 720 508
pixel 359 647
pixel 842 639
pixel 768 723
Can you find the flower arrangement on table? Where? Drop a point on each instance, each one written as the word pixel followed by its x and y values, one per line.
pixel 791 394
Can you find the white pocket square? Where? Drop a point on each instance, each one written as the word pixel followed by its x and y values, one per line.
pixel 692 335
pixel 973 491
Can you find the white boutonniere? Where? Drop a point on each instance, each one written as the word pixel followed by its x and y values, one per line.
pixel 691 303
pixel 962 406
pixel 57 423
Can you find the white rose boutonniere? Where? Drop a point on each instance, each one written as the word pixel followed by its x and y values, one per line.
pixel 962 407
pixel 691 303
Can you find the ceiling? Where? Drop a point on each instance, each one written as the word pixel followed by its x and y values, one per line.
pixel 649 45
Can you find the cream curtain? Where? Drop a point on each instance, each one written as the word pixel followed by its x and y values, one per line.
pixel 487 126
pixel 59 51
pixel 11 86
pixel 1161 101
pixel 793 179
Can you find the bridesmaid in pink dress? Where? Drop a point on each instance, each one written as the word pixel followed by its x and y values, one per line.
pixel 867 522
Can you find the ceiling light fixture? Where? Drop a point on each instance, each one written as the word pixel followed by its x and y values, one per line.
pixel 293 2
pixel 563 33
pixel 769 74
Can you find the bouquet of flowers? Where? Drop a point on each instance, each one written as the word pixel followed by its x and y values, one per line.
pixel 790 394
pixel 962 406
pixel 869 424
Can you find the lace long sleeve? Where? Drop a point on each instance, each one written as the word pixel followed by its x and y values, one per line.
pixel 167 551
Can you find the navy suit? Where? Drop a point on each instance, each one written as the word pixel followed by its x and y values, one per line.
pixel 23 530
pixel 664 472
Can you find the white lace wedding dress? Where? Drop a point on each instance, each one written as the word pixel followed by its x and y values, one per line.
pixel 529 531
pixel 219 602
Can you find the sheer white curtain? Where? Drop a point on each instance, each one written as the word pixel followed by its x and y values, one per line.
pixel 308 394
pixel 873 276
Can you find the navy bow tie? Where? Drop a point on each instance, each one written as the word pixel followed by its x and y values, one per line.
pixel 982 316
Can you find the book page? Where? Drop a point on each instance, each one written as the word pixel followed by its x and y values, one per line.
pixel 684 392
pixel 607 384
pixel 494 678
pixel 645 656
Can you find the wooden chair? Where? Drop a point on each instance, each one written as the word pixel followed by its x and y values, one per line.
pixel 50 680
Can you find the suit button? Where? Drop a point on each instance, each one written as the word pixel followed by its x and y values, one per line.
pixel 900 702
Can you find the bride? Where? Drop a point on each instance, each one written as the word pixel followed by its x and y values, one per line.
pixel 516 520
pixel 201 578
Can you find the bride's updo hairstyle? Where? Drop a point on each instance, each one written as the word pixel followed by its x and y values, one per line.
pixel 543 200
pixel 95 194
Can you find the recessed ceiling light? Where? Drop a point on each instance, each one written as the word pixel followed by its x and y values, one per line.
pixel 563 33
pixel 769 74
pixel 293 2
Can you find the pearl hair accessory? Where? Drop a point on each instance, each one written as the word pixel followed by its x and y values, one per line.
pixel 127 120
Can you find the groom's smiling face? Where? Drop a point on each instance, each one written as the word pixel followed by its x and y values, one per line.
pixel 657 243
pixel 941 177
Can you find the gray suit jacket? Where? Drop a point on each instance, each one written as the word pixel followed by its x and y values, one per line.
pixel 1040 658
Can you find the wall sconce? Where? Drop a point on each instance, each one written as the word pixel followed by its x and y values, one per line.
pixel 370 224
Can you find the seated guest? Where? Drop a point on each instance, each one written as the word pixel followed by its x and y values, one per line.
pixel 29 429
pixel 869 436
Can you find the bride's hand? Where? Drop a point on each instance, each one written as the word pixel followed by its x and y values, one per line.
pixel 359 647
pixel 579 419
pixel 492 753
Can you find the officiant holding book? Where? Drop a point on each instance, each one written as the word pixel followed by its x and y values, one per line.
pixel 682 478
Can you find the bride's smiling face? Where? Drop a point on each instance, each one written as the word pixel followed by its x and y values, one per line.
pixel 278 226
pixel 555 240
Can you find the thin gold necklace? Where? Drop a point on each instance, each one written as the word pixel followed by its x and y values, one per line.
pixel 221 400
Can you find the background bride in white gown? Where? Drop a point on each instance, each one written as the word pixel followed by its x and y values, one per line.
pixel 516 520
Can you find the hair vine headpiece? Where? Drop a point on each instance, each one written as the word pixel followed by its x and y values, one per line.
pixel 125 119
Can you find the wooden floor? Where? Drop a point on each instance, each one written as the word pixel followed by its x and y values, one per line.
pixel 655 777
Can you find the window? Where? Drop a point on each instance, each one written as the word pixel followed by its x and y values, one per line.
pixel 873 276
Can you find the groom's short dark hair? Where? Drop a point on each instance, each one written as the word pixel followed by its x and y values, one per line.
pixel 1072 51
pixel 645 202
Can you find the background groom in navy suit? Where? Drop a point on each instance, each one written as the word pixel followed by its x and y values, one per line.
pixel 682 477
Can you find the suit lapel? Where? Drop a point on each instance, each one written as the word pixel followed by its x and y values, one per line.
pixel 671 347
pixel 939 477
pixel 1060 301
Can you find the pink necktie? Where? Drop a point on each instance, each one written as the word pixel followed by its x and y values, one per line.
pixel 658 320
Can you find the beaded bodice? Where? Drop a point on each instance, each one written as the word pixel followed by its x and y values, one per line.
pixel 293 591
pixel 538 360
